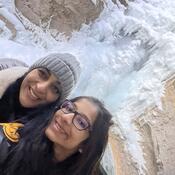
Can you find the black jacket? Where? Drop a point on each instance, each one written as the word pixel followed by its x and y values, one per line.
pixel 4 146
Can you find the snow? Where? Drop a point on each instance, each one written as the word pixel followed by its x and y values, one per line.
pixel 125 55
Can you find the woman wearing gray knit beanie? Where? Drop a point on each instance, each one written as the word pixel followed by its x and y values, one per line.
pixel 49 79
pixel 63 67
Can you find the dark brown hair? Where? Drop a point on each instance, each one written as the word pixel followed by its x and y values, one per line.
pixel 34 152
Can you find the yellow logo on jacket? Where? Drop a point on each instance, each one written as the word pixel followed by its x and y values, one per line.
pixel 10 130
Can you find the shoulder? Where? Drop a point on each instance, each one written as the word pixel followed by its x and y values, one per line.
pixel 4 145
pixel 9 75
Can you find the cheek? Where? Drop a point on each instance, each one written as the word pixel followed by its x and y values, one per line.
pixel 50 134
pixel 80 137
pixel 22 90
pixel 51 96
pixel 24 84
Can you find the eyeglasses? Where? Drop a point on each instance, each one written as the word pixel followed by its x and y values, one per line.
pixel 80 121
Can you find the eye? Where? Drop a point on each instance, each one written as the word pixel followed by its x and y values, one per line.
pixel 55 89
pixel 81 122
pixel 43 73
pixel 68 107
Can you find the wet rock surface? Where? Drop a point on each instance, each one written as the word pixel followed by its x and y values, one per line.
pixel 156 126
pixel 63 15
pixel 157 130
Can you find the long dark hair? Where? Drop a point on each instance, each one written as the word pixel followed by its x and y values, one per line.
pixel 96 143
pixel 34 152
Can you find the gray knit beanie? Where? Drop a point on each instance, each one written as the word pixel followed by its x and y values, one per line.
pixel 64 66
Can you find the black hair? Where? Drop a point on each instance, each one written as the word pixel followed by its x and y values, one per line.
pixel 95 145
pixel 34 155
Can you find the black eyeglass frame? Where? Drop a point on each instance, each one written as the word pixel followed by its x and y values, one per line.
pixel 89 127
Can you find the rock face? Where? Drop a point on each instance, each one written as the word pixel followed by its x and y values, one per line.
pixel 123 161
pixel 9 26
pixel 62 15
pixel 157 130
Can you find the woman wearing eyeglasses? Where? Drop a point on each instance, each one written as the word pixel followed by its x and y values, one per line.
pixel 71 143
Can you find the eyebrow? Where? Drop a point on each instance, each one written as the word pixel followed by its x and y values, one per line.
pixel 45 69
pixel 48 71
pixel 74 105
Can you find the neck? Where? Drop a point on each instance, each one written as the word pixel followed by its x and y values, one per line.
pixel 61 153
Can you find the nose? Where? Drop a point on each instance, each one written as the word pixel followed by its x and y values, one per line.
pixel 42 87
pixel 67 118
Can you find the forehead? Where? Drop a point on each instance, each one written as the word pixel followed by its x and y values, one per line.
pixel 87 108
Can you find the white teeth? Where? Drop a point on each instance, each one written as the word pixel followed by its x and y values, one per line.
pixel 59 128
pixel 33 95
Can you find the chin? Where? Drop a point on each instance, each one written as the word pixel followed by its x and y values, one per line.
pixel 28 105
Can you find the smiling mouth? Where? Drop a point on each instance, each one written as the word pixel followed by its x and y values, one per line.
pixel 33 95
pixel 60 129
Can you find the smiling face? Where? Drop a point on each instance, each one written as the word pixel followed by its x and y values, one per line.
pixel 38 87
pixel 63 133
